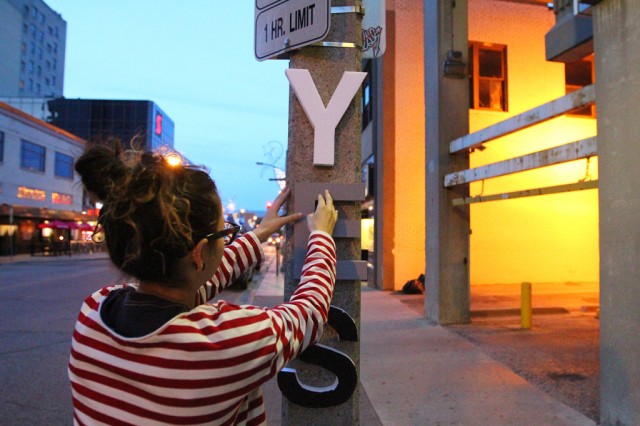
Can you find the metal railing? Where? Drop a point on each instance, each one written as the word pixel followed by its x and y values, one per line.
pixel 576 150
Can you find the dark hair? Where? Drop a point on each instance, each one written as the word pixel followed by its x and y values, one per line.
pixel 153 213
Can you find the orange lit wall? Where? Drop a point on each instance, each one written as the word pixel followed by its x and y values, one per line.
pixel 407 84
pixel 551 238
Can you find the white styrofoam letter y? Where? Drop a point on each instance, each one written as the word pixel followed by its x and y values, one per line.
pixel 324 120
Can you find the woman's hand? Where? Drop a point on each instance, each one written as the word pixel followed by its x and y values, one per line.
pixel 271 223
pixel 325 216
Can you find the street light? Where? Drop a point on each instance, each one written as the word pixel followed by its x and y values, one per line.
pixel 280 175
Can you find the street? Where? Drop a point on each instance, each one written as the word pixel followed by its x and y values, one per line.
pixel 39 302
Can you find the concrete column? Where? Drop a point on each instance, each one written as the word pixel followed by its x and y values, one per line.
pixel 447 297
pixel 326 65
pixel 616 27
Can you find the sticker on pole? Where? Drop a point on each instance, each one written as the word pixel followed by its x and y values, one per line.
pixel 284 25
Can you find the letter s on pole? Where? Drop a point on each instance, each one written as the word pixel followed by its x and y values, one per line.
pixel 330 359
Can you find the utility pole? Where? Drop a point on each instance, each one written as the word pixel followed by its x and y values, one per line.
pixel 339 52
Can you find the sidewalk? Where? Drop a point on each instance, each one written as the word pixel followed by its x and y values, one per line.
pixel 414 373
pixel 25 258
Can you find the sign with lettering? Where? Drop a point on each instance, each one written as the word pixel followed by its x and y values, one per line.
pixel 324 120
pixel 284 25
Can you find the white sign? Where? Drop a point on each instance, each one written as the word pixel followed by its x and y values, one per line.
pixel 284 25
pixel 374 35
pixel 324 120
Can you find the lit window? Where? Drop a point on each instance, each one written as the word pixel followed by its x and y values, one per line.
pixel 31 193
pixel 158 127
pixel 367 111
pixel 64 166
pixel 487 76
pixel 58 198
pixel 577 75
pixel 32 156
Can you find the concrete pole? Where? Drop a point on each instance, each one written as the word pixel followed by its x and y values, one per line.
pixel 447 299
pixel 616 34
pixel 326 65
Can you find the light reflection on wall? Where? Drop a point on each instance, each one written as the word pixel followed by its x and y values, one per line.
pixel 549 238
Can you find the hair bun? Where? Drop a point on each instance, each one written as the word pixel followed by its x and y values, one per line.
pixel 101 169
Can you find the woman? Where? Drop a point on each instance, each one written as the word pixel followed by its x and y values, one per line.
pixel 154 351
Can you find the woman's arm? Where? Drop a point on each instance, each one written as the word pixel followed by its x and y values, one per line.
pixel 244 253
pixel 299 323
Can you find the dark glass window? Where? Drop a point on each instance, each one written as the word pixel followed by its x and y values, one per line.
pixel 577 75
pixel 487 76
pixel 64 166
pixel 32 156
pixel 1 146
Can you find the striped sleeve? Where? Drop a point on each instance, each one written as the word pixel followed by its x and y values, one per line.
pixel 298 324
pixel 244 253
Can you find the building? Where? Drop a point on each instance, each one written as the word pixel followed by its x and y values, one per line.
pixel 32 48
pixel 102 121
pixel 98 120
pixel 523 78
pixel 37 180
pixel 477 102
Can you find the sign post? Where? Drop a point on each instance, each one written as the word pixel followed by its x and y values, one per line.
pixel 324 152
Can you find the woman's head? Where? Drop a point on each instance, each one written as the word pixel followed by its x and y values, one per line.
pixel 153 213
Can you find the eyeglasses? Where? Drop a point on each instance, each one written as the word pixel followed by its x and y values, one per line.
pixel 98 234
pixel 228 233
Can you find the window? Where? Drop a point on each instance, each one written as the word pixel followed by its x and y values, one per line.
pixel 1 147
pixel 22 66
pixel 31 193
pixel 31 67
pixel 577 75
pixel 64 166
pixel 367 112
pixel 32 156
pixel 59 198
pixel 488 76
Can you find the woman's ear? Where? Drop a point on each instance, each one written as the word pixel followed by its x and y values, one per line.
pixel 197 254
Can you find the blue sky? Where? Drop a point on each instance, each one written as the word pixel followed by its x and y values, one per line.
pixel 195 60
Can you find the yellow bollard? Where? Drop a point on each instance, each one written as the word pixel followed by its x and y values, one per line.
pixel 525 306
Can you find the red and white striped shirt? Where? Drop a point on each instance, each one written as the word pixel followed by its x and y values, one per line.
pixel 206 365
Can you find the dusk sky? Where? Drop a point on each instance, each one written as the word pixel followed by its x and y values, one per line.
pixel 195 60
